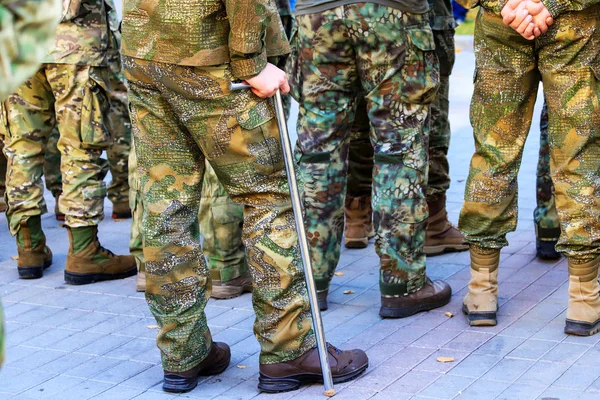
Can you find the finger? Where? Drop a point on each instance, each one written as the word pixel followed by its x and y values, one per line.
pixel 520 19
pixel 529 30
pixel 549 21
pixel 258 93
pixel 508 18
pixel 524 25
pixel 537 31
pixel 285 87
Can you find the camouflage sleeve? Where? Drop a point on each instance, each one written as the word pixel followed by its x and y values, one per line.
pixel 557 7
pixel 248 20
pixel 28 28
pixel 495 6
pixel 70 9
pixel 468 4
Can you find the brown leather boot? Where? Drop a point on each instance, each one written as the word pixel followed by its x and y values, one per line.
pixel 216 362
pixel 290 375
pixel 89 262
pixel 441 236
pixel 232 288
pixel 481 303
pixel 34 255
pixel 433 294
pixel 121 211
pixel 359 224
pixel 583 314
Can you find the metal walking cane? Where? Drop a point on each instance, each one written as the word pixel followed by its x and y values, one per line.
pixel 308 273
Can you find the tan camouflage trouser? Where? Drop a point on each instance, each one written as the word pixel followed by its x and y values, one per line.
pixel 136 245
pixel 3 163
pixel 181 117
pixel 508 72
pixel 74 97
pixel 118 151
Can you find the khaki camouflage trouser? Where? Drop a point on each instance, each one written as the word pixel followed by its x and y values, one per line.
pixel 508 72
pixel 193 111
pixel 74 97
pixel 3 163
pixel 396 67
pixel 117 153
pixel 136 245
pixel 545 215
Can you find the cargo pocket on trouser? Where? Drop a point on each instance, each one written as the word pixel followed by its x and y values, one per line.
pixel 421 67
pixel 95 129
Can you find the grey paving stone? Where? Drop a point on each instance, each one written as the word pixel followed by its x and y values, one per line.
pixel 560 393
pixel 436 338
pixel 378 378
pixel 37 359
pixel 508 370
pixel 149 378
pixel 499 345
pixel 413 382
pixel 565 352
pixel 93 367
pixel 483 389
pixel 543 373
pixel 82 391
pixel 121 372
pixel 131 349
pixel 406 358
pixel 105 344
pixel 579 377
pixel 52 387
pixel 15 381
pixel 468 341
pixel 447 387
pixel 532 349
pixel 119 393
pixel 475 365
pixel 66 362
pixel 523 328
pixel 521 392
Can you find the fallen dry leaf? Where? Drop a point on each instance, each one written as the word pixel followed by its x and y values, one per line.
pixel 445 359
pixel 458 51
pixel 448 314
pixel 348 291
pixel 339 274
pixel 15 257
pixel 241 366
pixel 152 327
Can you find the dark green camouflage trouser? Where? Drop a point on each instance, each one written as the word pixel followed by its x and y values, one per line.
pixel 31 114
pixel 545 215
pixel 388 56
pixel 236 132
pixel 508 72
pixel 360 167
pixel 117 153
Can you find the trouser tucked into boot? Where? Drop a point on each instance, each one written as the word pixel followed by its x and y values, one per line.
pixel 583 314
pixel 481 303
pixel 34 255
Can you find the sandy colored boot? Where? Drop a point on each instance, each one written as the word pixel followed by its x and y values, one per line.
pixel 34 255
pixel 140 282
pixel 481 303
pixel 441 236
pixel 583 314
pixel 89 262
pixel 358 225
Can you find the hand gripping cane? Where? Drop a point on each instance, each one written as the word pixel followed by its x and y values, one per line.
pixel 308 273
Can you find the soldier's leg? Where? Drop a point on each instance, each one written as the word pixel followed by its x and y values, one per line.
pixel 545 216
pixel 358 227
pixel 221 221
pixel 2 175
pixel 506 83
pixel 326 110
pixel 572 90
pixel 118 152
pixel 441 236
pixel 30 118
pixel 80 106
pixel 136 244
pixel 52 174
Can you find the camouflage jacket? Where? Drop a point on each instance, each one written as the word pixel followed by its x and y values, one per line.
pixel 27 32
pixel 83 36
pixel 556 7
pixel 204 32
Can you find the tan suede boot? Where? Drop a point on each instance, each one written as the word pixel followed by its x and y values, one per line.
pixel 481 303
pixel 359 222
pixel 140 282
pixel 441 236
pixel 89 262
pixel 34 255
pixel 583 314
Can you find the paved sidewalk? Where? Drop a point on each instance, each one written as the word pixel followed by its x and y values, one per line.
pixel 97 341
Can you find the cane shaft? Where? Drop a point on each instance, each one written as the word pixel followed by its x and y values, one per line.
pixel 308 272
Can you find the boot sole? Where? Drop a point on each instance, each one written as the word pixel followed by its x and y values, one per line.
pixel 387 312
pixel 580 328
pixel 546 251
pixel 441 249
pixel 294 382
pixel 229 292
pixel 84 279
pixel 33 272
pixel 480 318
pixel 356 243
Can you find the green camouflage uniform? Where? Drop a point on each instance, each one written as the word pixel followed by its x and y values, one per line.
pixel 27 30
pixel 69 90
pixel 545 215
pixel 396 66
pixel 508 72
pixel 179 71
pixel 118 121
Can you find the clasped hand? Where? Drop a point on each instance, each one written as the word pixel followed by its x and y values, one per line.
pixel 530 18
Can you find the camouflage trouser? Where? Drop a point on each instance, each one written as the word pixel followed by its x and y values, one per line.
pixel 2 168
pixel 508 71
pixel 73 96
pixel 193 109
pixel 545 215
pixel 221 223
pixel 117 153
pixel 394 64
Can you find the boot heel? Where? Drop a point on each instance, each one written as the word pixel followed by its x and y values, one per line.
pixel 480 318
pixel 278 385
pixel 31 272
